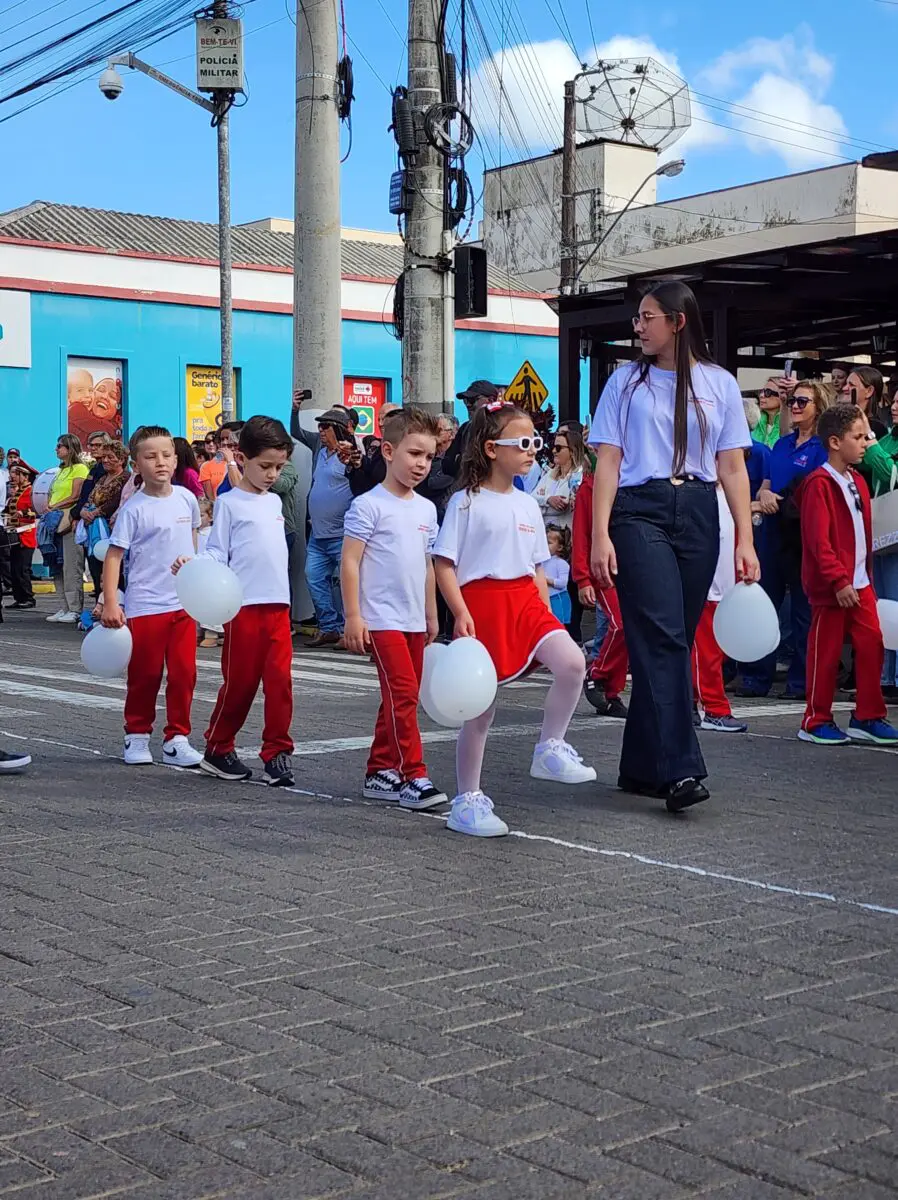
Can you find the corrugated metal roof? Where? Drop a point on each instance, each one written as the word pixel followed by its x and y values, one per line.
pixel 71 225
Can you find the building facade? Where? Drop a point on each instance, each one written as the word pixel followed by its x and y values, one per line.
pixel 110 320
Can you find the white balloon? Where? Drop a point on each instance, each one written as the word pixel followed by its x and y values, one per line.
pixel 464 682
pixel 106 652
pixel 40 490
pixel 99 550
pixel 888 622
pixel 433 655
pixel 745 624
pixel 209 591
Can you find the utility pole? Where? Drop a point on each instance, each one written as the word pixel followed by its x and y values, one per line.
pixel 423 350
pixel 223 101
pixel 317 346
pixel 568 199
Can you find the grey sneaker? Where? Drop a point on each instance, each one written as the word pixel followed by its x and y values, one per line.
pixel 723 724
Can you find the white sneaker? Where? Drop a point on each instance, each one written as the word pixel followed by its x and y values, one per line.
pixel 56 617
pixel 557 761
pixel 472 813
pixel 137 750
pixel 68 618
pixel 178 752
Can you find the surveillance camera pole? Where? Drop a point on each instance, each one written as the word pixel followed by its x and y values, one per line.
pixel 218 106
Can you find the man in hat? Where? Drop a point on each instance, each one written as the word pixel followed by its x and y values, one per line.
pixel 475 396
pixel 329 498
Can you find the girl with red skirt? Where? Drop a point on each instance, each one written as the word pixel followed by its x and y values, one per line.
pixel 488 558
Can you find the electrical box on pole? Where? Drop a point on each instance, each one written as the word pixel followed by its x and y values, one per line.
pixel 470 282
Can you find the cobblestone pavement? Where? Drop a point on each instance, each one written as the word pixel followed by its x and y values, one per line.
pixel 222 991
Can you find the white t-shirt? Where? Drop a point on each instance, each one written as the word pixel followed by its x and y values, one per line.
pixel 398 535
pixel 248 536
pixel 493 535
pixel 640 420
pixel 155 530
pixel 725 576
pixel 861 578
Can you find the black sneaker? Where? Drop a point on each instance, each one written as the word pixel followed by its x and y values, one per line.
pixel 617 709
pixel 696 719
pixel 382 785
pixel 279 771
pixel 22 604
pixel 420 794
pixel 684 793
pixel 14 762
pixel 595 696
pixel 225 766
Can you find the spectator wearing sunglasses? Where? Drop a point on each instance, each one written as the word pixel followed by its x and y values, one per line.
pixel 771 399
pixel 329 499
pixel 792 459
pixel 837 571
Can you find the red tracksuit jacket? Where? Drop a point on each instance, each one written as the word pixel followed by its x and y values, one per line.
pixel 827 536
pixel 581 536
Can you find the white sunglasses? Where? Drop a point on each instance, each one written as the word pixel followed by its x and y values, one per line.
pixel 522 443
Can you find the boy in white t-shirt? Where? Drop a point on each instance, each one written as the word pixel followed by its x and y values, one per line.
pixel 389 596
pixel 248 536
pixel 157 524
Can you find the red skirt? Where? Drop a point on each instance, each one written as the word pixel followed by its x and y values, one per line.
pixel 511 620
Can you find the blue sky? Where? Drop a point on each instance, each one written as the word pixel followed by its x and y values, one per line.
pixel 823 82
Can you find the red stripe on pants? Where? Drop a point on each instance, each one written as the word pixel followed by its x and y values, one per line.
pixel 399 658
pixel 707 666
pixel 830 627
pixel 258 648
pixel 609 669
pixel 161 641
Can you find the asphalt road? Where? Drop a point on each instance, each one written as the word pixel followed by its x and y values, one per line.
pixel 212 990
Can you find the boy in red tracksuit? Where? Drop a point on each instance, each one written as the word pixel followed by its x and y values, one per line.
pixel 607 677
pixel 248 536
pixel 836 573
pixel 389 596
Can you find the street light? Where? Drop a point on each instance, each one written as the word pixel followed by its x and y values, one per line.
pixel 112 86
pixel 668 169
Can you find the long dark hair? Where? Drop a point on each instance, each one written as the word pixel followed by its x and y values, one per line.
pixel 485 426
pixel 675 299
pixel 186 459
pixel 870 378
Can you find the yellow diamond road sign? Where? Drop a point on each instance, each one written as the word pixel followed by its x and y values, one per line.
pixel 527 390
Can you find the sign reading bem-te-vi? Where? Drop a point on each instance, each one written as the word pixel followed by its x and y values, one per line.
pixel 219 54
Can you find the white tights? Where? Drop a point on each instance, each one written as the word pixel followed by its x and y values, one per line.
pixel 564 658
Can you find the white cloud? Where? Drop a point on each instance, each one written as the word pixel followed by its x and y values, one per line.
pixel 816 129
pixel 783 80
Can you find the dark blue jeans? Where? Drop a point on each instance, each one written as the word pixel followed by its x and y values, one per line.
pixel 779 576
pixel 667 540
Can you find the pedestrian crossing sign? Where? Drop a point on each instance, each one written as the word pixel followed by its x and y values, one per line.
pixel 527 390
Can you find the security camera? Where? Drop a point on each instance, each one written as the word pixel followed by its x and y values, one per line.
pixel 111 84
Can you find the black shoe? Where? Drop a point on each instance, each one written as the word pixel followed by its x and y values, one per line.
pixel 14 762
pixel 684 794
pixel 745 693
pixel 225 766
pixel 595 696
pixel 696 719
pixel 890 693
pixel 617 709
pixel 794 696
pixel 279 771
pixel 22 604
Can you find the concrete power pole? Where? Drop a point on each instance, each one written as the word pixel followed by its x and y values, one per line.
pixel 317 347
pixel 568 273
pixel 423 350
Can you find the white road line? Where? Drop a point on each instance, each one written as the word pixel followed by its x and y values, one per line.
pixel 580 847
pixel 68 699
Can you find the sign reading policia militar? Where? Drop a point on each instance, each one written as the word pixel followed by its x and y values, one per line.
pixel 527 390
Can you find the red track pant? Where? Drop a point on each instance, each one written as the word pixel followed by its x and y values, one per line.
pixel 163 641
pixel 707 666
pixel 399 658
pixel 609 669
pixel 830 628
pixel 257 649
